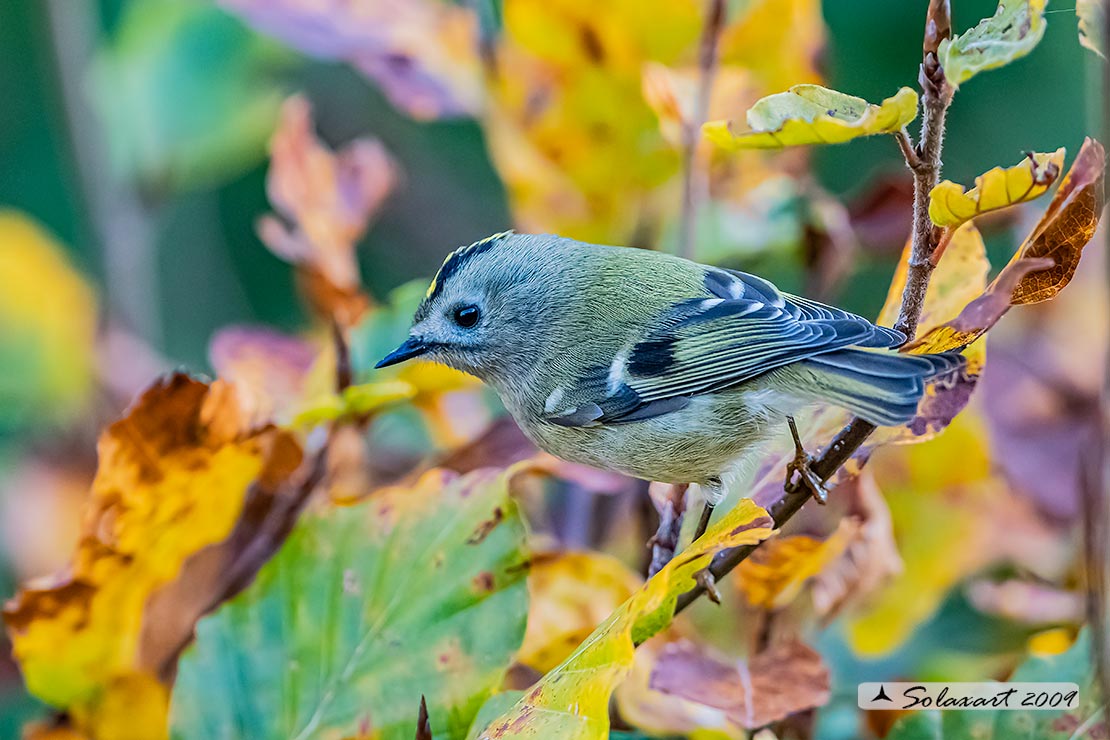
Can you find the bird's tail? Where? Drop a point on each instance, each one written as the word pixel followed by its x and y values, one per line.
pixel 883 388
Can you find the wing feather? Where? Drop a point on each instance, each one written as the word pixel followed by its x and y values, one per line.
pixel 744 327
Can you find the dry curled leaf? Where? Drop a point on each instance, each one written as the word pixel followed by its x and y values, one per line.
pixel 1066 226
pixel 811 114
pixel 950 205
pixel 325 201
pixel 174 479
pixel 784 679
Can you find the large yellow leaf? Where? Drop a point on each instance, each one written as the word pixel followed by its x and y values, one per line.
pixel 173 481
pixel 571 593
pixel 958 278
pixel 1011 33
pixel 950 205
pixel 952 515
pixel 572 701
pixel 811 114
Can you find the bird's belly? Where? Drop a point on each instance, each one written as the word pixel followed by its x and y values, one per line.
pixel 686 446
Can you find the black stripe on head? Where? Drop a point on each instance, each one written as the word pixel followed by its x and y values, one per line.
pixel 457 259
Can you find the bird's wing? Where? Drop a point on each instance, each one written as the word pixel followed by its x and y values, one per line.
pixel 740 329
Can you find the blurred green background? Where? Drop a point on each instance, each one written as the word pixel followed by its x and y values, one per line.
pixel 136 133
pixel 164 79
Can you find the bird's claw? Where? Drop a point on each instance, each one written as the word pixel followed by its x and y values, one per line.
pixel 707 581
pixel 802 465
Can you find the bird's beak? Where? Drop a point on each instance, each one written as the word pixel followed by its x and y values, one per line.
pixel 411 347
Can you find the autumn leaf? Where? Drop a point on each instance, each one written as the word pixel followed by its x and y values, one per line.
pixel 1011 33
pixel 1066 227
pixel 572 700
pixel 366 608
pixel 48 319
pixel 811 114
pixel 422 53
pixel 773 684
pixel 775 573
pixel 175 476
pixel 571 593
pixel 950 205
pixel 355 402
pixel 325 201
pixel 1043 265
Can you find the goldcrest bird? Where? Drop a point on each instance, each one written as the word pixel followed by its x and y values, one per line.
pixel 649 364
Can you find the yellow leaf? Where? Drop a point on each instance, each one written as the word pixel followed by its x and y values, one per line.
pixel 811 114
pixel 48 320
pixel 572 701
pixel 172 481
pixel 952 516
pixel 571 593
pixel 950 205
pixel 775 573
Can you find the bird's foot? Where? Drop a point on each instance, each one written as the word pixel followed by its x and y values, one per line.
pixel 708 581
pixel 802 465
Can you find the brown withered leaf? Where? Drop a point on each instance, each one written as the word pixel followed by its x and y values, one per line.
pixel 982 313
pixel 423 726
pixel 775 573
pixel 179 478
pixel 1065 228
pixel 784 679
pixel 325 201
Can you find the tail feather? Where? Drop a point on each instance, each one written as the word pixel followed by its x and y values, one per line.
pixel 883 388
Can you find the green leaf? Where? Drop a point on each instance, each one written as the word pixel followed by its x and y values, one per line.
pixel 417 591
pixel 571 702
pixel 186 94
pixel 1011 33
pixel 811 114
pixel 1072 666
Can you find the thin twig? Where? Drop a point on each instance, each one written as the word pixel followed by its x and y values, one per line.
pixel 691 132
pixel 925 163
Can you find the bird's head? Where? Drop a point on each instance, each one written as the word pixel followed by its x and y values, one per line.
pixel 480 309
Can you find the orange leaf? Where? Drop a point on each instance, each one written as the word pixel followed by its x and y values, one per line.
pixel 326 201
pixel 1065 228
pixel 175 477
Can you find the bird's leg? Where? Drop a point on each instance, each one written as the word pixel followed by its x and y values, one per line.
pixel 711 497
pixel 801 464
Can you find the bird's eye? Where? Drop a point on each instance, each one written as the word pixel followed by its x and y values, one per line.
pixel 466 316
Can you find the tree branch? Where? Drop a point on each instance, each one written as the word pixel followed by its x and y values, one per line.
pixel 925 162
pixel 707 68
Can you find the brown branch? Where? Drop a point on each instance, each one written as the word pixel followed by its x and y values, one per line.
pixel 925 162
pixel 691 131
